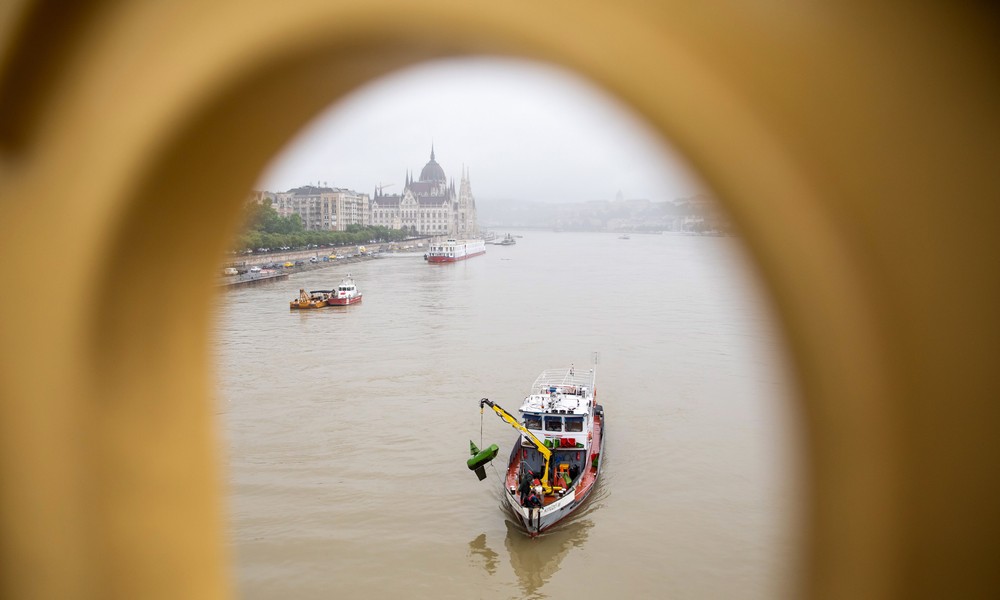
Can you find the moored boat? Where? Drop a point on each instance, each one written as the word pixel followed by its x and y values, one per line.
pixel 556 460
pixel 455 250
pixel 346 293
pixel 508 240
pixel 313 299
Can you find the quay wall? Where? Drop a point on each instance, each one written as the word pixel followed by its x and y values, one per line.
pixel 270 276
pixel 250 260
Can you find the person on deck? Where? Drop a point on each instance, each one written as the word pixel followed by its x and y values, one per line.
pixel 525 486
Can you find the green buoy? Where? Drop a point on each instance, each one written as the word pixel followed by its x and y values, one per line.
pixel 480 459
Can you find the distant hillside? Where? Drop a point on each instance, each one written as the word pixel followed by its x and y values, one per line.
pixel 694 213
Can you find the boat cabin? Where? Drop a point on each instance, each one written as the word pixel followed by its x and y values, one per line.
pixel 560 412
pixel 446 249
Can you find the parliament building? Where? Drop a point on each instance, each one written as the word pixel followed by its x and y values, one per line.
pixel 428 206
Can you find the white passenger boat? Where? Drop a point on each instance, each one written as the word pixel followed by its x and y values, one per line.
pixel 556 460
pixel 455 250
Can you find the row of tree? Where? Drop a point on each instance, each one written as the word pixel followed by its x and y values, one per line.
pixel 265 228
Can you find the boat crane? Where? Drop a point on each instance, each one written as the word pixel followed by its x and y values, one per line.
pixel 542 448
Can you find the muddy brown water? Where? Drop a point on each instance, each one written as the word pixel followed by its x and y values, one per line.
pixel 346 429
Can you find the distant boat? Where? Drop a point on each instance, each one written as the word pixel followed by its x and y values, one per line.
pixel 624 236
pixel 455 250
pixel 508 240
pixel 346 293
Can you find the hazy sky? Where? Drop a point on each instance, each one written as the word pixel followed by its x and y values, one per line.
pixel 526 131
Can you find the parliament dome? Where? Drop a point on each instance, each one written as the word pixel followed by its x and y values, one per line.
pixel 432 171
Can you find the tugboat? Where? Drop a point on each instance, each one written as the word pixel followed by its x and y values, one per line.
pixel 346 293
pixel 508 240
pixel 556 460
pixel 313 299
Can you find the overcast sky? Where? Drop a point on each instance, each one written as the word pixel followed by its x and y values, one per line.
pixel 526 131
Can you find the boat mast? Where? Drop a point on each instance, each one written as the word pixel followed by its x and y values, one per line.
pixel 596 358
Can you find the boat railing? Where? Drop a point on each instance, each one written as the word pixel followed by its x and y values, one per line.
pixel 564 378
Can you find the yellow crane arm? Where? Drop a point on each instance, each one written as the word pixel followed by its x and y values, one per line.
pixel 546 452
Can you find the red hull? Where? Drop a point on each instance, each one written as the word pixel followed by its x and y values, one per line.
pixel 445 259
pixel 343 301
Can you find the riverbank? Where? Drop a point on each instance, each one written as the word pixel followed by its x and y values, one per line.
pixel 282 273
pixel 244 262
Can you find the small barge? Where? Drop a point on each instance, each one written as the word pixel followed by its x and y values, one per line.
pixel 313 299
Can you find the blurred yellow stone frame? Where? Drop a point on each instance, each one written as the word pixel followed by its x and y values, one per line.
pixel 854 143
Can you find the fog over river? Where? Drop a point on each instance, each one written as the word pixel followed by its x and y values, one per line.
pixel 347 428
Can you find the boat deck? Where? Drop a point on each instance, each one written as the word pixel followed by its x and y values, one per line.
pixel 586 480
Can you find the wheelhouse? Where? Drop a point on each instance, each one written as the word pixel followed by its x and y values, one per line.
pixel 559 411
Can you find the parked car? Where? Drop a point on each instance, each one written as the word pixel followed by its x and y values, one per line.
pixel 289 264
pixel 229 271
pixel 313 259
pixel 255 269
pixel 299 263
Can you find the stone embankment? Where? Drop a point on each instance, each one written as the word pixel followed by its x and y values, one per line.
pixel 245 261
pixel 269 275
pixel 278 273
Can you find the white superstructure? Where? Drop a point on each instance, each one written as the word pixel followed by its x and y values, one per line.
pixel 455 250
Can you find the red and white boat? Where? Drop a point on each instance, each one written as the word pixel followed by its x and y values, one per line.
pixel 455 250
pixel 556 461
pixel 346 293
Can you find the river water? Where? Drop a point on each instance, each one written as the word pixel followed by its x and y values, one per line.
pixel 347 429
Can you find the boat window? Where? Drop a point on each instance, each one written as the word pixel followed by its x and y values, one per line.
pixel 574 423
pixel 553 423
pixel 532 421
